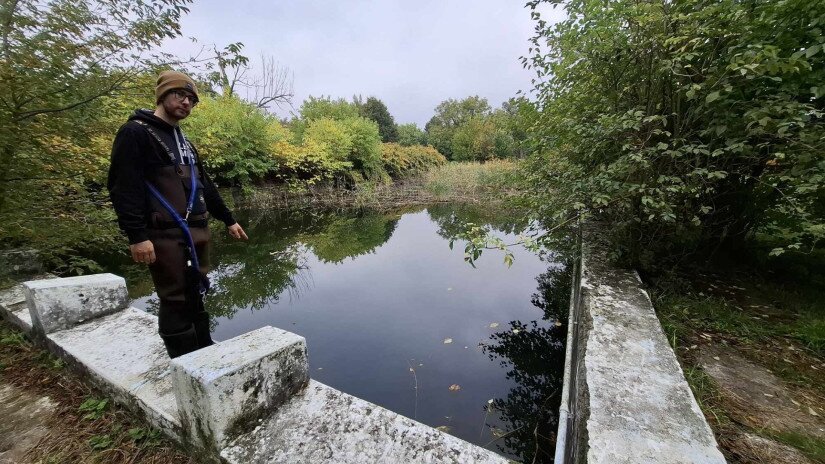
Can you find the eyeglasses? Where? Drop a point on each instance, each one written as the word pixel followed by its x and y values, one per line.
pixel 181 95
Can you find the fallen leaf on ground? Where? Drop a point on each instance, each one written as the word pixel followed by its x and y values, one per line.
pixel 455 387
pixel 812 412
pixel 448 340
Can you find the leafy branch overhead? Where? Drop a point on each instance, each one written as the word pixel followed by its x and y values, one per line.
pixel 691 126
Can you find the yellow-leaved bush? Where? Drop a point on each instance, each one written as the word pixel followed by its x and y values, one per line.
pixel 400 161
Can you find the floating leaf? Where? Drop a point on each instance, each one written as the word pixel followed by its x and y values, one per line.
pixel 494 325
pixel 558 324
pixel 448 341
pixel 455 387
pixel 444 428
pixel 515 331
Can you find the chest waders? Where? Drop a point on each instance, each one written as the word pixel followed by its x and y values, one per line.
pixel 180 239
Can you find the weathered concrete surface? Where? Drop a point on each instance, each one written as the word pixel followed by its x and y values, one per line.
pixel 639 408
pixel 57 304
pixel 125 356
pixel 13 308
pixel 223 390
pixel 325 425
pixel 24 423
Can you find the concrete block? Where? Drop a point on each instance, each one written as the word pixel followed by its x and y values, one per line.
pixel 224 390
pixel 124 356
pixel 13 308
pixel 322 424
pixel 58 304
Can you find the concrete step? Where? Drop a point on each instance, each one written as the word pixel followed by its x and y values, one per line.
pixel 13 308
pixel 123 353
pixel 322 424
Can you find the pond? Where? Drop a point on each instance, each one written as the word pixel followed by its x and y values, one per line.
pixel 393 315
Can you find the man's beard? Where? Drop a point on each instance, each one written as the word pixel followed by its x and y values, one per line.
pixel 175 111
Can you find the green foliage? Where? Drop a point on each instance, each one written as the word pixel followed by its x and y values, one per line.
pixel 365 152
pixel 449 116
pixel 400 161
pixel 69 69
pixel 333 135
pixel 94 408
pixel 58 58
pixel 688 126
pixel 410 134
pixel 233 139
pixel 377 111
pixel 100 442
pixel 314 108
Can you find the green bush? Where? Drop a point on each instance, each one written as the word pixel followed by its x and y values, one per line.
pixel 689 126
pixel 233 138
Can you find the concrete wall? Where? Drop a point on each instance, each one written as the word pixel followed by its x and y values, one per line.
pixel 244 400
pixel 625 398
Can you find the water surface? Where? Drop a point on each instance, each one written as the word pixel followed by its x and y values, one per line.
pixel 392 315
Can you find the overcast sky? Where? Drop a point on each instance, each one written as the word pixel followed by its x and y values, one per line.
pixel 410 54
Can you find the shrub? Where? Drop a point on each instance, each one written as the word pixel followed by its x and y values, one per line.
pixel 233 138
pixel 400 161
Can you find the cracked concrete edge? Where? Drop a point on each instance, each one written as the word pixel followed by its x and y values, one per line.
pixel 642 409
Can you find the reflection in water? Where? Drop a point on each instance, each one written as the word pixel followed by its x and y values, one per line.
pixel 533 353
pixel 377 295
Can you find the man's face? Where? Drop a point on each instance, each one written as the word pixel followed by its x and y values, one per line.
pixel 178 103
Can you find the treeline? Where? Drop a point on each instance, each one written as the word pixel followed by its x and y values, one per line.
pixel 327 141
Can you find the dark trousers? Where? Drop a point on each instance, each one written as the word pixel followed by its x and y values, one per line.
pixel 168 273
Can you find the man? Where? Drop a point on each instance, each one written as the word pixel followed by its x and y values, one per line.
pixel 163 198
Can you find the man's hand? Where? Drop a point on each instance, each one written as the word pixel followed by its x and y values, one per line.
pixel 143 252
pixel 236 231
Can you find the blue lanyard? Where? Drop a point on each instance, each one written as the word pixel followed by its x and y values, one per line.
pixel 181 221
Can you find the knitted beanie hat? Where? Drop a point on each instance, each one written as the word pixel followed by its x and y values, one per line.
pixel 170 80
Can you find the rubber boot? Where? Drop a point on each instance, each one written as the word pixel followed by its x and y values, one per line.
pixel 180 343
pixel 202 329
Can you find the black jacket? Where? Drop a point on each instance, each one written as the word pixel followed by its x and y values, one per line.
pixel 134 153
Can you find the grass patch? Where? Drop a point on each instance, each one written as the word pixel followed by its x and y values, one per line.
pixel 471 180
pixel 812 447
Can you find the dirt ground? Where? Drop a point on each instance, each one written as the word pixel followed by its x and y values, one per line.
pixel 762 391
pixel 51 416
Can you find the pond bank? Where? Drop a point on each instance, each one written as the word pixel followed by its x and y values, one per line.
pixel 752 350
pixel 491 182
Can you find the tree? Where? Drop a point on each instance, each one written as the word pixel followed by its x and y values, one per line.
pixel 377 111
pixel 325 107
pixel 449 115
pixel 60 56
pixel 410 134
pixel 688 126
pixel 273 84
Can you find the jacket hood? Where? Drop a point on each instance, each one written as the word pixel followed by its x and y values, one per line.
pixel 149 117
